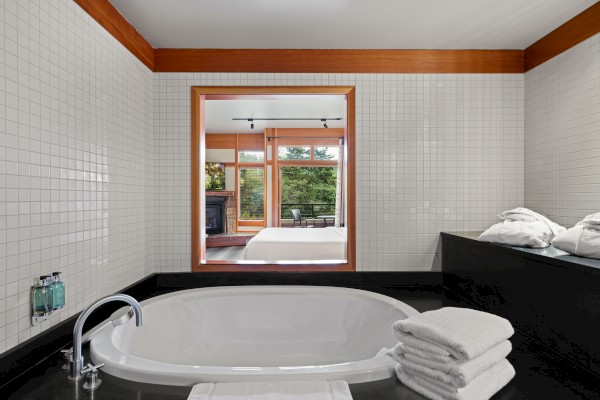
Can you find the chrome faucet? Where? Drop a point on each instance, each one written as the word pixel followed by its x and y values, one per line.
pixel 76 363
pixel 118 318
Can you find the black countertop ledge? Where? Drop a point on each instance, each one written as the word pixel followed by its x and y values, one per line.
pixel 549 254
pixel 540 372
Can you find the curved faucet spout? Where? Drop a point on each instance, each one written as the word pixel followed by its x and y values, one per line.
pixel 76 362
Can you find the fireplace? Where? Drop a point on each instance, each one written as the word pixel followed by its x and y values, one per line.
pixel 215 214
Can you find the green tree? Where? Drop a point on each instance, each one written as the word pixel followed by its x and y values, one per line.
pixel 214 176
pixel 303 186
pixel 308 185
pixel 251 193
pixel 294 153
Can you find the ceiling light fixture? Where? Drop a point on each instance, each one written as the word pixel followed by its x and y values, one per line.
pixel 251 120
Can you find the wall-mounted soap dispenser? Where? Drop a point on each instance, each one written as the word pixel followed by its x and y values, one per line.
pixel 39 297
pixel 58 291
pixel 47 296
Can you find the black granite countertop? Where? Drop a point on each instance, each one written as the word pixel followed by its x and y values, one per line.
pixel 541 374
pixel 550 251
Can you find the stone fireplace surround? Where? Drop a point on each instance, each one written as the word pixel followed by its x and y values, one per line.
pixel 230 207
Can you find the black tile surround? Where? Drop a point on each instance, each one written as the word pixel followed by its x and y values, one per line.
pixel 541 373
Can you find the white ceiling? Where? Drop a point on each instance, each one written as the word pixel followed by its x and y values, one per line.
pixel 347 24
pixel 219 114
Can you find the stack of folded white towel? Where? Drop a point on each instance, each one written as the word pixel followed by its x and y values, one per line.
pixel 454 353
pixel 583 239
pixel 522 227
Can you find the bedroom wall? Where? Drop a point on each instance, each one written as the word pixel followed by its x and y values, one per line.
pixel 434 153
pixel 562 134
pixel 75 157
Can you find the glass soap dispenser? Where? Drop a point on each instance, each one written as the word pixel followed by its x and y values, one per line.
pixel 41 296
pixel 58 291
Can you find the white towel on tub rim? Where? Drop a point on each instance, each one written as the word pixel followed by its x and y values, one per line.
pixel 272 390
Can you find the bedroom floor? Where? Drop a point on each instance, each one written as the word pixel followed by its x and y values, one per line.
pixel 231 253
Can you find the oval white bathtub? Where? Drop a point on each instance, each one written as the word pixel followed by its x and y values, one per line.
pixel 226 334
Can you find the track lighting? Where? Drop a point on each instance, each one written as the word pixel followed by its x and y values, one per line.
pixel 251 120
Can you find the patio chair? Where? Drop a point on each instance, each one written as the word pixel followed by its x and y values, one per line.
pixel 298 218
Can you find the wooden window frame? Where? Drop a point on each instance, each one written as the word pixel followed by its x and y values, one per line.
pixel 199 95
pixel 297 137
pixel 251 222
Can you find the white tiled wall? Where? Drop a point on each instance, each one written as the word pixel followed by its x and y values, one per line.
pixel 75 160
pixel 434 153
pixel 95 178
pixel 562 134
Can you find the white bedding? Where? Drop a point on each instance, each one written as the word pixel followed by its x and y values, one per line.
pixel 282 244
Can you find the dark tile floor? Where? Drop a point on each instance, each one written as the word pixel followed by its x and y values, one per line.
pixel 541 374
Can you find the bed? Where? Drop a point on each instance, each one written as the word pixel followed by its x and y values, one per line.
pixel 288 244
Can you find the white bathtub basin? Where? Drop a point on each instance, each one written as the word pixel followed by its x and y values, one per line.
pixel 243 333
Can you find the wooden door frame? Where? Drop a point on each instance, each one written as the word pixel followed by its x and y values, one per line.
pixel 199 95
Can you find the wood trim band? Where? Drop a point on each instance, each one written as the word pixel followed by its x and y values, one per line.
pixel 572 32
pixel 111 19
pixel 338 61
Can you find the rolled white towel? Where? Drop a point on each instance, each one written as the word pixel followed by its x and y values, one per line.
pixel 461 332
pixel 458 374
pixel 481 388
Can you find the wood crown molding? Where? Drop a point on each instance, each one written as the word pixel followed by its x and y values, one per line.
pixel 111 19
pixel 572 32
pixel 338 61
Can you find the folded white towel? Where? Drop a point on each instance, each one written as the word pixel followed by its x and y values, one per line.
pixel 462 332
pixel 458 374
pixel 405 348
pixel 481 388
pixel 272 390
